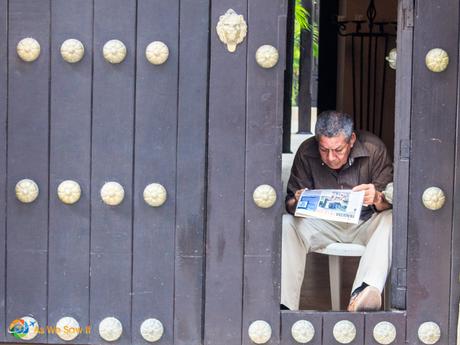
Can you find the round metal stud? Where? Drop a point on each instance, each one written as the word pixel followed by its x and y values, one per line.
pixel 260 332
pixel 155 195
pixel 110 329
pixel 67 328
pixel 114 51
pixel 429 333
pixel 26 191
pixel 28 49
pixel 303 331
pixel 264 196
pixel 152 330
pixel 69 192
pixel 384 333
pixel 157 53
pixel 267 56
pixel 344 331
pixel 433 198
pixel 25 328
pixel 231 29
pixel 72 50
pixel 437 60
pixel 392 58
pixel 112 193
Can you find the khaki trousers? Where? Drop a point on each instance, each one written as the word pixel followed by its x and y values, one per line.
pixel 303 235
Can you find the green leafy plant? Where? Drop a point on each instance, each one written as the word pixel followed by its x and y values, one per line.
pixel 302 22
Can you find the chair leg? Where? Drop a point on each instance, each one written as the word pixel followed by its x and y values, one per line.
pixel 335 280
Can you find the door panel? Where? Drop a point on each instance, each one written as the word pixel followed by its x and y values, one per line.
pixel 3 150
pixel 191 171
pixel 155 162
pixel 263 166
pixel 93 122
pixel 331 320
pixel 225 194
pixel 397 319
pixel 27 224
pixel 432 164
pixel 402 153
pixel 112 160
pixel 455 260
pixel 70 152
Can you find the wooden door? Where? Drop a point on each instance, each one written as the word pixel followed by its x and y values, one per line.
pixel 93 121
pixel 206 125
pixel 244 152
pixel 425 269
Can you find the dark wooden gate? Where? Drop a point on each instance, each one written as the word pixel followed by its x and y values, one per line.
pixel 92 122
pixel 205 125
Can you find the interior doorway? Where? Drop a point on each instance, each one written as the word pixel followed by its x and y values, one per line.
pixel 354 73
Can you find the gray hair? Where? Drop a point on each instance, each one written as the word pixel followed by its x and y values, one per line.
pixel 333 123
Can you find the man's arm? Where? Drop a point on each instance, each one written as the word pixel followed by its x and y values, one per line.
pixel 381 175
pixel 291 203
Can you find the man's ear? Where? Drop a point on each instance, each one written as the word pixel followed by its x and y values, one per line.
pixel 352 139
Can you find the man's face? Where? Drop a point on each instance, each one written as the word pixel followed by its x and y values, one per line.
pixel 334 151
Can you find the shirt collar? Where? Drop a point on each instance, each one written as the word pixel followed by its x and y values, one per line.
pixel 358 149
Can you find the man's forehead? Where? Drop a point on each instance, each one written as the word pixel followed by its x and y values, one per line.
pixel 332 142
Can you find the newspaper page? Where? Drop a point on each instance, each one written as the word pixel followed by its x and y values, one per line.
pixel 341 205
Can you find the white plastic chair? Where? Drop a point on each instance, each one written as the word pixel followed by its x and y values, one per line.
pixel 335 252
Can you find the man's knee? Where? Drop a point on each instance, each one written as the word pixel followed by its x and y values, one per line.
pixel 385 219
pixel 384 226
pixel 289 232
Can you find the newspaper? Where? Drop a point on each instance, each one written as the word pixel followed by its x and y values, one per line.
pixel 341 205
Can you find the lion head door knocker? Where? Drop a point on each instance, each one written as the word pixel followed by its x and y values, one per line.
pixel 232 29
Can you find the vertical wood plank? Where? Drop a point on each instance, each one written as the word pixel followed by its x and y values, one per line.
pixel 263 166
pixel 191 171
pixel 433 135
pixel 3 168
pixel 225 195
pixel 288 318
pixel 455 259
pixel 401 154
pixel 112 160
pixel 28 107
pixel 155 162
pixel 70 152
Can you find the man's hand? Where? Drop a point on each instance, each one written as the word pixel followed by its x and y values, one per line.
pixel 292 203
pixel 372 196
pixel 369 193
pixel 298 194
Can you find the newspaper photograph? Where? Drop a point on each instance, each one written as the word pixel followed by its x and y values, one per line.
pixel 341 205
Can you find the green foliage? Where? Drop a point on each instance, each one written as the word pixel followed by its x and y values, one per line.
pixel 302 22
pixel 301 17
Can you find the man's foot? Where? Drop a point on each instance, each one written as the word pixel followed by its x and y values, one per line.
pixel 369 299
pixel 283 307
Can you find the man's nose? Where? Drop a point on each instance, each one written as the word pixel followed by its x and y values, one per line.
pixel 330 155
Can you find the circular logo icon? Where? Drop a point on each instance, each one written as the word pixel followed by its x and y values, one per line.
pixel 25 328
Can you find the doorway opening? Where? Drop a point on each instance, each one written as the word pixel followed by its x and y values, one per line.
pixel 352 71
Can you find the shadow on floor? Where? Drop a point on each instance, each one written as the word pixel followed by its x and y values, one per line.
pixel 315 293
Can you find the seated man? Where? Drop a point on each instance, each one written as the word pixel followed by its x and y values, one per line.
pixel 339 158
